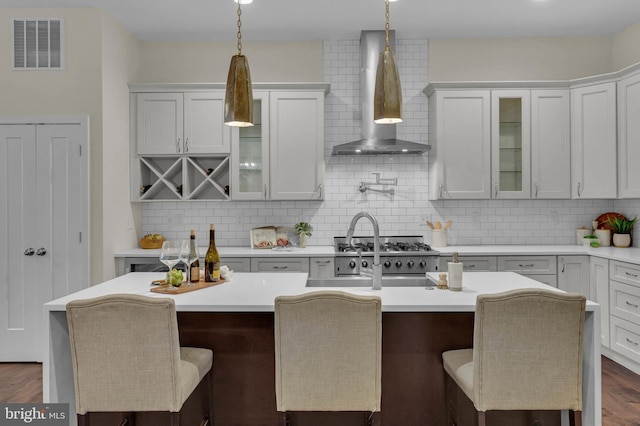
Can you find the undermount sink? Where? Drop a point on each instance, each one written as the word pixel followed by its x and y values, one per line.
pixel 359 281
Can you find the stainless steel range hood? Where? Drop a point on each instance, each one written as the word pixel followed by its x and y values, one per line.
pixel 376 139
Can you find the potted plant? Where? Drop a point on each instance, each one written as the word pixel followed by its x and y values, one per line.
pixel 622 228
pixel 303 230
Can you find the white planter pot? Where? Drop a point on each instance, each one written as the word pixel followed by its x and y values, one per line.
pixel 621 240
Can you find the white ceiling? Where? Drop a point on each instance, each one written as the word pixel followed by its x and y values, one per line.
pixel 202 20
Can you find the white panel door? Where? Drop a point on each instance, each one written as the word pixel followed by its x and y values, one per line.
pixel 593 141
pixel 43 229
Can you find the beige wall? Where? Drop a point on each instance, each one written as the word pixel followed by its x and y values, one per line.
pixel 518 58
pixel 626 47
pixel 164 62
pixel 121 218
pixel 76 90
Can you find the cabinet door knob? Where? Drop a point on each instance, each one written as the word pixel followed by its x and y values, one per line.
pixel 29 252
pixel 41 251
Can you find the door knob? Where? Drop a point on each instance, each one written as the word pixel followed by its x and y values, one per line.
pixel 41 251
pixel 29 251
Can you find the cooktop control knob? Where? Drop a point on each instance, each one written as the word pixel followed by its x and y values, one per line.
pixel 365 263
pixel 352 264
pixel 423 263
pixel 398 264
pixel 410 264
pixel 387 264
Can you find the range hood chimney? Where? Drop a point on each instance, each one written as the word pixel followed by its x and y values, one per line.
pixel 376 139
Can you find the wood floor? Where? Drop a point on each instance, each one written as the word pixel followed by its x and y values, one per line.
pixel 22 383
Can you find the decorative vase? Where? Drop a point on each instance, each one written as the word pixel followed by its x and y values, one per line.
pixel 621 240
pixel 303 240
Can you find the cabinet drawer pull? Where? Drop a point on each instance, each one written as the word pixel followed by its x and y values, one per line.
pixel 186 145
pixel 633 305
pixel 323 261
pixel 536 196
pixel 631 275
pixel 280 267
pixel 631 341
pixel 440 195
pixel 468 266
pixel 578 189
pixel 531 265
pixel 496 189
pixel 178 145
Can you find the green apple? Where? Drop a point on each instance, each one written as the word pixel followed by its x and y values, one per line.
pixel 174 277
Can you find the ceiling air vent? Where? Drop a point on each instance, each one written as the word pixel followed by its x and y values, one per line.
pixel 37 44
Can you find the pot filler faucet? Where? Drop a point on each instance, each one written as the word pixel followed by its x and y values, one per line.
pixel 376 268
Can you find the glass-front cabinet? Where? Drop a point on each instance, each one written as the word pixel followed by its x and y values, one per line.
pixel 511 143
pixel 250 154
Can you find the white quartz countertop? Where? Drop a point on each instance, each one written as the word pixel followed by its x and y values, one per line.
pixel 255 292
pixel 309 251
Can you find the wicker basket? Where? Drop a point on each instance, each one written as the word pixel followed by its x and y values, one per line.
pixel 146 243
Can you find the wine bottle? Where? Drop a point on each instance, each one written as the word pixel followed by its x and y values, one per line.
pixel 212 259
pixel 193 254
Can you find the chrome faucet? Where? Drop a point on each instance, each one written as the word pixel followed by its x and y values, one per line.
pixel 376 268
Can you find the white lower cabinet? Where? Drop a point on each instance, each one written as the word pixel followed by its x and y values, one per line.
pixel 539 268
pixel 624 305
pixel 471 263
pixel 599 293
pixel 278 264
pixel 321 267
pixel 237 264
pixel 573 274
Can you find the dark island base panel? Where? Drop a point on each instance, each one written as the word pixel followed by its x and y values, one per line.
pixel 413 381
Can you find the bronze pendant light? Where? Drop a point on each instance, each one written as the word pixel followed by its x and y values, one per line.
pixel 387 104
pixel 238 102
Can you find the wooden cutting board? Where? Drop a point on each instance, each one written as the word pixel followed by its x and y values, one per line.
pixel 184 288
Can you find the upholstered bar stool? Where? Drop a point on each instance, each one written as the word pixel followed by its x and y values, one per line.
pixel 526 355
pixel 127 358
pixel 328 348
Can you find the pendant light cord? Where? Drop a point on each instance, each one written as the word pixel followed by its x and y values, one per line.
pixel 386 26
pixel 240 32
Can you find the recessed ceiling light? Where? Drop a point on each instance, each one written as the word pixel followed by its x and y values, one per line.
pixel 243 1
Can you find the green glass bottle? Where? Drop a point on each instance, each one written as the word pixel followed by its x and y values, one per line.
pixel 212 259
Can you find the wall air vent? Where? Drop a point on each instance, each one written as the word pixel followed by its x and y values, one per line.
pixel 37 44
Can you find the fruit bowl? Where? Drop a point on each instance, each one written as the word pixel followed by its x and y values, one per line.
pixel 151 241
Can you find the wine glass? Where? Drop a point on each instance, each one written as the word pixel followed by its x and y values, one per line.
pixel 170 254
pixel 188 256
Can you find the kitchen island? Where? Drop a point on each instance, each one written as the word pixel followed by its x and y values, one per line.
pixel 235 320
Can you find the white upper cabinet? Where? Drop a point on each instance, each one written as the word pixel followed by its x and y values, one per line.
pixel 159 123
pixel 460 135
pixel 499 143
pixel 297 145
pixel 593 141
pixel 250 154
pixel 204 128
pixel 281 157
pixel 629 137
pixel 510 143
pixel 550 144
pixel 181 123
